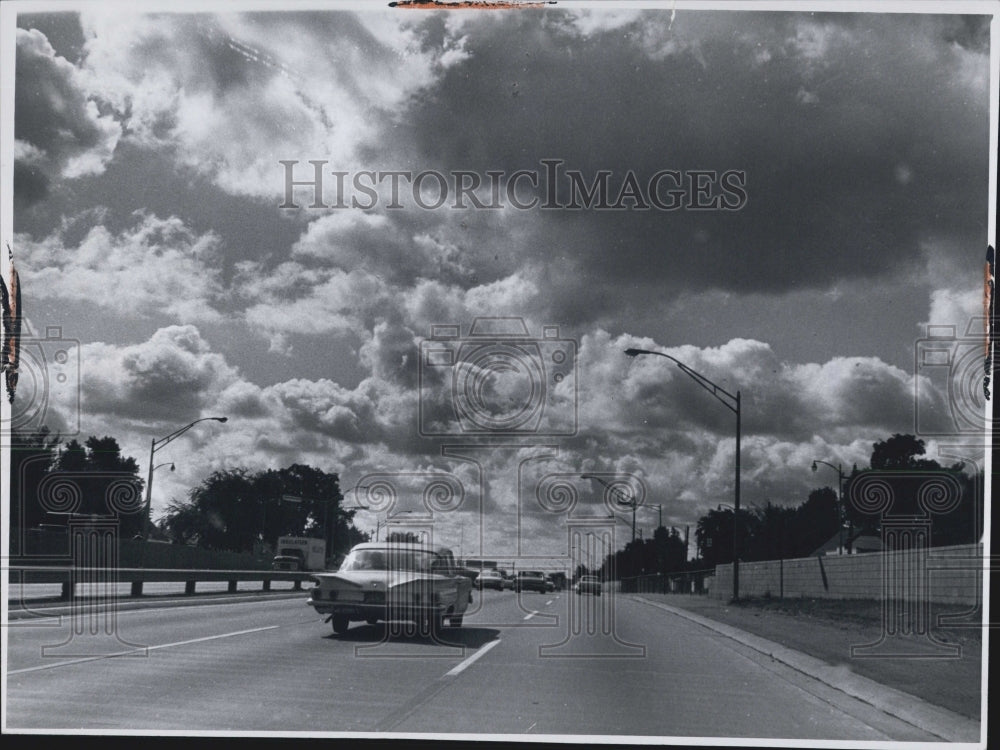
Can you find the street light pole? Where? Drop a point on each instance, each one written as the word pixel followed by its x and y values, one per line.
pixel 840 498
pixel 154 446
pixel 733 403
pixel 604 549
pixel 388 519
pixel 659 512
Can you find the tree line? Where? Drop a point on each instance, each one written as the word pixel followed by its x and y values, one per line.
pixel 233 510
pixel 774 531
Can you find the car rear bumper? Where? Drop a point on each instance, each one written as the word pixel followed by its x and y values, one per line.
pixel 361 611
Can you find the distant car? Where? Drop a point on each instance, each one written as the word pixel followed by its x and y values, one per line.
pixel 550 583
pixel 588 585
pixel 394 581
pixel 490 579
pixel 506 580
pixel 530 580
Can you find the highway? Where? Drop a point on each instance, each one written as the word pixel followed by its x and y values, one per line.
pixel 529 663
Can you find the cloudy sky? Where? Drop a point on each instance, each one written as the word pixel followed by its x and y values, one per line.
pixel 148 181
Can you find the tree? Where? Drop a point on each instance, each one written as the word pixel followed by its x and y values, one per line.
pixel 900 452
pixel 107 482
pixel 814 522
pixel 714 536
pixel 31 457
pixel 902 455
pixel 236 510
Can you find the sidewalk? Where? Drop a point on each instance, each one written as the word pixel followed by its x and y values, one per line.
pixel 952 683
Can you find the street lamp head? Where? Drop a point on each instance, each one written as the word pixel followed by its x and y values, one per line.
pixel 172 467
pixel 220 419
pixel 815 467
pixel 636 352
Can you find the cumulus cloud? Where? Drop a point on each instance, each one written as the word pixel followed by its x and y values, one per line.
pixel 60 130
pixel 174 375
pixel 861 140
pixel 651 399
pixel 156 266
pixel 822 180
pixel 231 95
pixel 958 308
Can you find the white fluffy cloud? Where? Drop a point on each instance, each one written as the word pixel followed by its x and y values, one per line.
pixel 157 266
pixel 172 376
pixel 232 95
pixel 642 418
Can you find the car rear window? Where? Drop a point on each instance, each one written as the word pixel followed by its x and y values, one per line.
pixel 389 559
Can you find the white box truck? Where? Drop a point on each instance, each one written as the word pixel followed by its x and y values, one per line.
pixel 300 553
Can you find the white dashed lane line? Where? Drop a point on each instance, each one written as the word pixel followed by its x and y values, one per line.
pixel 134 652
pixel 481 652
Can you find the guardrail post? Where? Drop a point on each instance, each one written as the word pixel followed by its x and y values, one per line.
pixel 189 587
pixel 93 617
pixel 136 588
pixel 232 587
pixel 267 585
pixel 67 590
pixel 297 585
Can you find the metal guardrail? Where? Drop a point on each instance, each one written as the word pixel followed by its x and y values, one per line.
pixel 70 575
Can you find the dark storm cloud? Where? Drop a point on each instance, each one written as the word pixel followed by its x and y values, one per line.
pixel 859 135
pixel 60 130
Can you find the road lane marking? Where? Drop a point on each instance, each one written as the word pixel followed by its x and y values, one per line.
pixel 531 727
pixel 549 602
pixel 411 706
pixel 530 615
pixel 132 607
pixel 457 669
pixel 133 652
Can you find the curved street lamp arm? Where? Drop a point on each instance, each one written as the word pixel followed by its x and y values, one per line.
pixel 827 463
pixel 708 385
pixel 735 408
pixel 159 443
pixel 629 503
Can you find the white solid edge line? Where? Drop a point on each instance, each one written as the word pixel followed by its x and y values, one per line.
pixel 458 668
pixel 137 650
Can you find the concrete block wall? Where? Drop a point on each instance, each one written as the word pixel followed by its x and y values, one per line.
pixel 953 573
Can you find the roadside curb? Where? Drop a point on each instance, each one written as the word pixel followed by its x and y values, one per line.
pixel 35 610
pixel 939 721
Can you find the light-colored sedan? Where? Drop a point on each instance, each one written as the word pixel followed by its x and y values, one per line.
pixel 394 581
pixel 490 579
pixel 588 585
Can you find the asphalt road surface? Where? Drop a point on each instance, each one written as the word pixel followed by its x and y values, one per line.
pixel 545 664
